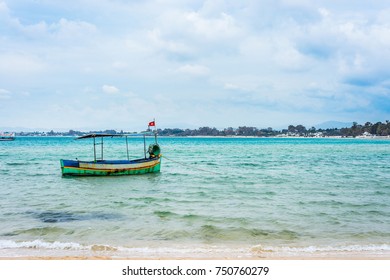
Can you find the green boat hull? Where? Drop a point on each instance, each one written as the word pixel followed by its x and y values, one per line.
pixel 110 168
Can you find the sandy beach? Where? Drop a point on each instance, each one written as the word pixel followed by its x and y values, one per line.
pixel 198 255
pixel 349 257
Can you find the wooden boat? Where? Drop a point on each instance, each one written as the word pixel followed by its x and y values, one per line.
pixel 7 136
pixel 151 162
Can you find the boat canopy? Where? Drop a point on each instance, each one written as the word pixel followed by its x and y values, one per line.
pixel 94 135
pixel 103 135
pixel 98 135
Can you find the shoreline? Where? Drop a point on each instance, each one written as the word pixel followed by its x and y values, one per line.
pixel 282 136
pixel 238 137
pixel 352 257
pixel 103 252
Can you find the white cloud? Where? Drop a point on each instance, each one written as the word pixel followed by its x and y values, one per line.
pixel 72 30
pixel 20 64
pixel 156 38
pixel 110 89
pixel 63 29
pixel 324 12
pixel 223 26
pixel 289 58
pixel 3 8
pixel 5 94
pixel 196 70
pixel 119 65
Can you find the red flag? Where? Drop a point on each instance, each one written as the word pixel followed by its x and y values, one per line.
pixel 153 123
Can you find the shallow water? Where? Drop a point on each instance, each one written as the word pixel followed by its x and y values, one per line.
pixel 224 196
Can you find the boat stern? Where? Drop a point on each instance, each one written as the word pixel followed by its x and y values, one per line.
pixel 69 167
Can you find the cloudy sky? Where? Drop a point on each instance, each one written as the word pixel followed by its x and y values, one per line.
pixel 99 64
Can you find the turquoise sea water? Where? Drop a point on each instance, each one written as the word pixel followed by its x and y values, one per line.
pixel 214 197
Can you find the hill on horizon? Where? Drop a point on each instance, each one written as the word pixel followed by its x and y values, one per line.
pixel 333 124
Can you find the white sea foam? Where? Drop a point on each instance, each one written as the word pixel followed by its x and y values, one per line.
pixel 56 245
pixel 39 244
pixel 382 248
pixel 44 248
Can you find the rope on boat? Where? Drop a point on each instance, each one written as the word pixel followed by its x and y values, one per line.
pixel 191 166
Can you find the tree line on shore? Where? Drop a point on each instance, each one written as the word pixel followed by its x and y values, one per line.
pixel 378 129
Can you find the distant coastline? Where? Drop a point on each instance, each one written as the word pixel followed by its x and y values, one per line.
pixel 368 130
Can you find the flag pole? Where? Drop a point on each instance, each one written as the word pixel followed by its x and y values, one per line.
pixel 145 146
pixel 155 130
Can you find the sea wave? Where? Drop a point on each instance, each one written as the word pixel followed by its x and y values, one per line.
pixel 16 163
pixel 68 216
pixel 57 248
pixel 164 214
pixel 374 248
pixel 39 244
pixel 68 247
